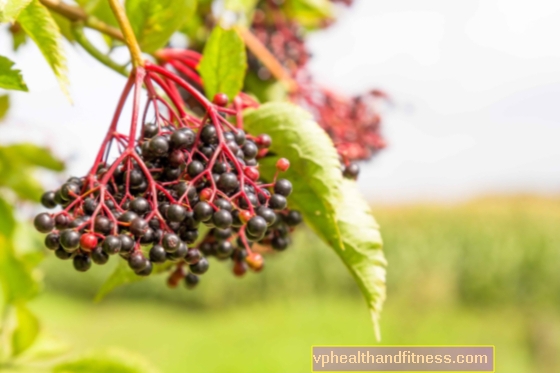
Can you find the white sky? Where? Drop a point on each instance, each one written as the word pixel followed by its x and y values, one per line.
pixel 476 86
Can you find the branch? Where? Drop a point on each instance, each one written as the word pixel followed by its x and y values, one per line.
pixel 267 58
pixel 75 14
pixel 129 37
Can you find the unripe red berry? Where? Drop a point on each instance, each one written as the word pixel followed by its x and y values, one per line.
pixel 239 268
pixel 205 194
pixel 176 277
pixel 252 173
pixel 221 99
pixel 245 216
pixel 88 241
pixel 282 164
pixel 255 261
pixel 263 141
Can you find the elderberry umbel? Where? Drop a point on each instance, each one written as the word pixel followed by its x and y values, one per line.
pixel 152 188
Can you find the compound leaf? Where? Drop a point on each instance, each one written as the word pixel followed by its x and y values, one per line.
pixel 223 63
pixel 10 78
pixel 41 27
pixel 330 205
pixel 154 22
pixel 10 9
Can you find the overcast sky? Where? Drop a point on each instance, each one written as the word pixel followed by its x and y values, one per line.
pixel 476 86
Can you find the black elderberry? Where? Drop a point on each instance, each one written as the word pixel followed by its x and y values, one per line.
pixel 150 130
pixel 171 242
pixel 209 135
pixel 58 198
pixel 182 138
pixel 127 245
pixel 43 222
pixel 148 237
pixel 176 213
pixel 236 221
pixel 193 256
pixel 351 171
pixel 251 199
pixel 191 280
pixel 48 200
pixel 102 224
pixel 195 168
pixel 171 173
pixel 293 218
pixel 224 249
pixel 207 249
pixel 140 205
pixel 256 226
pixel 189 236
pixel 99 256
pixel 263 196
pixel 222 219
pixel 283 187
pixel 180 253
pixel 207 151
pixel 228 182
pixel 61 221
pixel 112 244
pixel 78 222
pixel 200 267
pixel 69 191
pixel 277 202
pixel 138 227
pixel 240 137
pixel 267 214
pixel 147 270
pixel 128 217
pixel 137 261
pixel 221 234
pixel 203 211
pixel 90 205
pixel 250 150
pixel 223 204
pixel 158 254
pixel 82 262
pixel 52 241
pixel 279 243
pixel 70 240
pixel 159 146
pixel 62 254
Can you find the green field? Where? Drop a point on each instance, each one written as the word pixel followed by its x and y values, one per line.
pixel 485 272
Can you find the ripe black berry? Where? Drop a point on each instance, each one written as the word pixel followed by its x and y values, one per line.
pixel 293 218
pixel 250 150
pixel 69 191
pixel 140 205
pixel 228 182
pixel 193 256
pixel 128 217
pixel 189 236
pixel 239 137
pixel 195 168
pixel 138 227
pixel 200 267
pixel 277 202
pixel 176 213
pixel 159 146
pixel 222 219
pixel 221 234
pixel 127 245
pixel 44 223
pixel 224 249
pixel 99 256
pixel 137 261
pixel 191 280
pixel 171 242
pixel 267 214
pixel 158 254
pixel 82 262
pixel 112 244
pixel 283 187
pixel 351 171
pixel 102 224
pixel 62 254
pixel 70 240
pixel 47 200
pixel 180 253
pixel 256 226
pixel 203 211
pixel 52 241
pixel 279 243
pixel 61 221
pixel 150 130
pixel 182 138
pixel 209 135
pixel 147 270
pixel 89 206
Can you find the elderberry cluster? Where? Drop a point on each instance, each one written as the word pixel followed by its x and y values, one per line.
pixel 149 205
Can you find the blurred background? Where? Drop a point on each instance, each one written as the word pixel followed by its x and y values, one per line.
pixel 467 196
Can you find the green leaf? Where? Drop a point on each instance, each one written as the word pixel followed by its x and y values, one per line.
pixel 114 361
pixel 309 13
pixel 4 105
pixel 7 221
pixel 223 63
pixel 33 155
pixel 16 277
pixel 10 78
pixel 154 22
pixel 330 205
pixel 41 27
pixel 10 9
pixel 26 331
pixel 64 25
